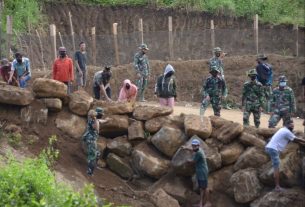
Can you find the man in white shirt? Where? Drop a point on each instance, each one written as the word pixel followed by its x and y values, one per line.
pixel 277 144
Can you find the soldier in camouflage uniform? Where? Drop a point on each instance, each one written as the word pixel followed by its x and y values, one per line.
pixel 90 136
pixel 282 103
pixel 141 66
pixel 252 99
pixel 214 89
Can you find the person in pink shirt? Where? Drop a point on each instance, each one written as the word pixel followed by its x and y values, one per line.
pixel 128 92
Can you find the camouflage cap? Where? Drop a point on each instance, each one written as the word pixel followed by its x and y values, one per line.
pixel 252 72
pixel 262 57
pixel 107 67
pixel 143 46
pixel 282 78
pixel 99 110
pixel 217 49
pixel 214 68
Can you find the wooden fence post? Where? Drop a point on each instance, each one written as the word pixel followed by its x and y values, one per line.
pixel 212 35
pixel 72 31
pixel 9 32
pixel 141 30
pixel 296 30
pixel 93 45
pixel 41 50
pixel 53 39
pixel 256 32
pixel 170 38
pixel 60 38
pixel 1 5
pixel 116 47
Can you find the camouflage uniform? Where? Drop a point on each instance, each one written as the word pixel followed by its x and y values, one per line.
pixel 252 99
pixel 217 62
pixel 215 88
pixel 282 104
pixel 141 65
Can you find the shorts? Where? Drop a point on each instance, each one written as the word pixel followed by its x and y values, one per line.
pixel 275 157
pixel 202 184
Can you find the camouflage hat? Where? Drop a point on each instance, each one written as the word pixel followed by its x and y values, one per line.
pixel 214 68
pixel 107 67
pixel 262 57
pixel 282 78
pixel 217 49
pixel 143 46
pixel 99 110
pixel 252 72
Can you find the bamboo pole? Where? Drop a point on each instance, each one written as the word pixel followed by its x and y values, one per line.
pixel 60 38
pixel 9 32
pixel 116 47
pixel 212 34
pixel 41 50
pixel 93 33
pixel 256 32
pixel 141 30
pixel 53 39
pixel 170 38
pixel 72 31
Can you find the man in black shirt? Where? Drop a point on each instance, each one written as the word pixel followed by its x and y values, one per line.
pixel 101 83
pixel 81 65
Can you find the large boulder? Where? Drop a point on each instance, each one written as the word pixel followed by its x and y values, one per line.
pixel 71 124
pixel 218 122
pixel 183 167
pixel 119 166
pixel 246 185
pixel 116 126
pixel 229 132
pixel 147 161
pixel 136 131
pixel 116 108
pixel 290 171
pixel 218 180
pixel 267 133
pixel 252 157
pixel 80 102
pixel 120 146
pixel 167 140
pixel 251 140
pixel 15 95
pixel 230 153
pixel 148 112
pixel 53 104
pixel 48 88
pixel 162 199
pixel 223 200
pixel 290 197
pixel 194 125
pixel 35 113
pixel 155 124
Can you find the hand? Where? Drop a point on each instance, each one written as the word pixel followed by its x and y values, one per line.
pixel 207 98
pixel 22 78
pixel 138 75
pixel 108 99
pixel 9 81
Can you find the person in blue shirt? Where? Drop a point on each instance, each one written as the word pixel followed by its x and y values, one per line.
pixel 23 70
pixel 202 170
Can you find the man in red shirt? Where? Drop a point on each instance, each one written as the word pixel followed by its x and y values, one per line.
pixel 63 69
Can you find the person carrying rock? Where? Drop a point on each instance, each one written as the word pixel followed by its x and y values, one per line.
pixel 252 99
pixel 214 89
pixel 202 171
pixel 217 60
pixel 277 144
pixel 141 65
pixel 101 83
pixel 63 69
pixel 265 77
pixel 5 71
pixel 80 57
pixel 90 136
pixel 128 92
pixel 23 70
pixel 165 87
pixel 282 103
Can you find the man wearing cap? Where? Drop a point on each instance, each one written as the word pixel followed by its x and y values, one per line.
pixel 277 144
pixel 142 68
pixel 101 83
pixel 282 103
pixel 214 89
pixel 202 171
pixel 5 71
pixel 23 70
pixel 80 57
pixel 91 135
pixel 265 77
pixel 252 99
pixel 63 69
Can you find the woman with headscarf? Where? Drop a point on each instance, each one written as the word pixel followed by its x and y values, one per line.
pixel 165 87
pixel 128 92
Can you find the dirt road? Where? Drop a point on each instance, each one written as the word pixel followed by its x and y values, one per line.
pixel 233 115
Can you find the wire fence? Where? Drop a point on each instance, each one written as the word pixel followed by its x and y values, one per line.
pixel 163 45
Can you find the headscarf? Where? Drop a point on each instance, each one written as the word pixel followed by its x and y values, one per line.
pixel 127 94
